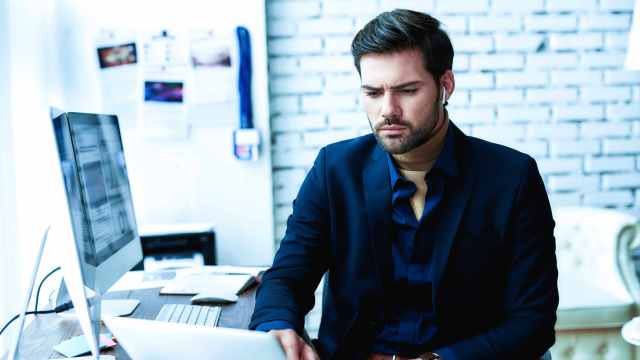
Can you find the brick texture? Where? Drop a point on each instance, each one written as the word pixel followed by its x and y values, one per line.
pixel 545 77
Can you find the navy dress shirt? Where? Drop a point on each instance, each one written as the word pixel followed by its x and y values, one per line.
pixel 408 323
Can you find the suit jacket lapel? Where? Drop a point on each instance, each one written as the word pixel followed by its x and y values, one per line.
pixel 449 214
pixel 377 196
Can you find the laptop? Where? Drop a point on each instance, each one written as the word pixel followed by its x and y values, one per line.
pixel 154 340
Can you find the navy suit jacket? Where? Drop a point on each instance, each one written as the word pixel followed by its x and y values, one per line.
pixel 494 267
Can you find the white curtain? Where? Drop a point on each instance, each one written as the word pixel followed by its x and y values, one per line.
pixel 633 52
pixel 29 73
pixel 7 179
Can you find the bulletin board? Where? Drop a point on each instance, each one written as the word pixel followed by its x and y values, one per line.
pixel 169 71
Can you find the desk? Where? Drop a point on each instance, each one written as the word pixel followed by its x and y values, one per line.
pixel 46 331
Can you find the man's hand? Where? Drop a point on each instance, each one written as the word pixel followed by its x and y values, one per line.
pixel 294 347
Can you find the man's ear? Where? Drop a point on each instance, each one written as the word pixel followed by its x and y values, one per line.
pixel 448 82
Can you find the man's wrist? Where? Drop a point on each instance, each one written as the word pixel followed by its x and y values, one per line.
pixel 274 325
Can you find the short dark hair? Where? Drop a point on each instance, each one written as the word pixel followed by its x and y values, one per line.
pixel 403 29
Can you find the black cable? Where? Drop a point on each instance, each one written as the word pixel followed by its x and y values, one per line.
pixel 27 313
pixel 66 306
pixel 40 287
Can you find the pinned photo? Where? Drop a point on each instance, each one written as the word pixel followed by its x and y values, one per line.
pixel 207 54
pixel 163 91
pixel 111 56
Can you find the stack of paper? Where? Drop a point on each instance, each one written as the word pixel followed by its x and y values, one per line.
pixel 135 280
pixel 194 284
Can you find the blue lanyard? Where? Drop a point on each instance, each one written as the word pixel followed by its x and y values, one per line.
pixel 244 78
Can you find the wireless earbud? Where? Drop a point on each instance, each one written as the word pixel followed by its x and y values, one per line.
pixel 444 96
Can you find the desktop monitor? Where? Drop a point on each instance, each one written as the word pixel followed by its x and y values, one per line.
pixel 98 196
pixel 105 242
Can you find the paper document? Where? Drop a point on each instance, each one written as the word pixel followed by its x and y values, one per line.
pixel 196 283
pixel 232 270
pixel 214 63
pixel 118 62
pixel 135 280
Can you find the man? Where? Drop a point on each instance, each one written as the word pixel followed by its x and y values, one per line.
pixel 437 245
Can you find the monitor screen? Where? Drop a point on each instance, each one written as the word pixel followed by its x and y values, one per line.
pixel 97 187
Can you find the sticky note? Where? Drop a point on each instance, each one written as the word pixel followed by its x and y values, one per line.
pixel 78 345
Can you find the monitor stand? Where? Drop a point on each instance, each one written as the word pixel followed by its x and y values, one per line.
pixel 119 307
pixel 123 307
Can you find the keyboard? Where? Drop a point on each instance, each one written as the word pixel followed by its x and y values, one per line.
pixel 190 314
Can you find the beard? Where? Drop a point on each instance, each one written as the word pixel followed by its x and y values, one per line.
pixel 417 135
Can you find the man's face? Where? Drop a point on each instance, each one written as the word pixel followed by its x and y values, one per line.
pixel 400 98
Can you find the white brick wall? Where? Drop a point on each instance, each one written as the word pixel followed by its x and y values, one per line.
pixel 545 77
pixel 498 23
pixel 552 60
pixel 296 84
pixel 591 130
pixel 337 44
pixel 609 198
pixel 560 165
pixel 292 9
pixel 460 7
pixel 628 111
pixel 348 7
pixel 551 23
pixel 496 97
pixel 521 79
pixel 564 147
pixel 328 102
pixel 576 77
pixel 572 112
pixel 523 6
pixel 552 95
pixel 571 5
pixel 618 77
pixel 552 131
pixel 574 182
pixel 297 122
pixel 513 114
pixel 617 5
pixel 628 180
pixel 605 93
pixel 418 5
pixel 579 41
pixel 608 163
pixel 599 59
pixel 474 80
pixel 475 115
pixel 321 138
pixel 566 198
pixel 295 46
pixel 497 133
pixel 324 26
pixel 518 42
pixel 605 22
pixel 472 43
pixel 497 62
pixel 453 24
pixel 621 146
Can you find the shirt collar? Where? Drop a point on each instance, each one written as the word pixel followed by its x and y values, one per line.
pixel 445 163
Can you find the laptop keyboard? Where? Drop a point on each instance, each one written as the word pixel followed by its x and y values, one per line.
pixel 190 314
